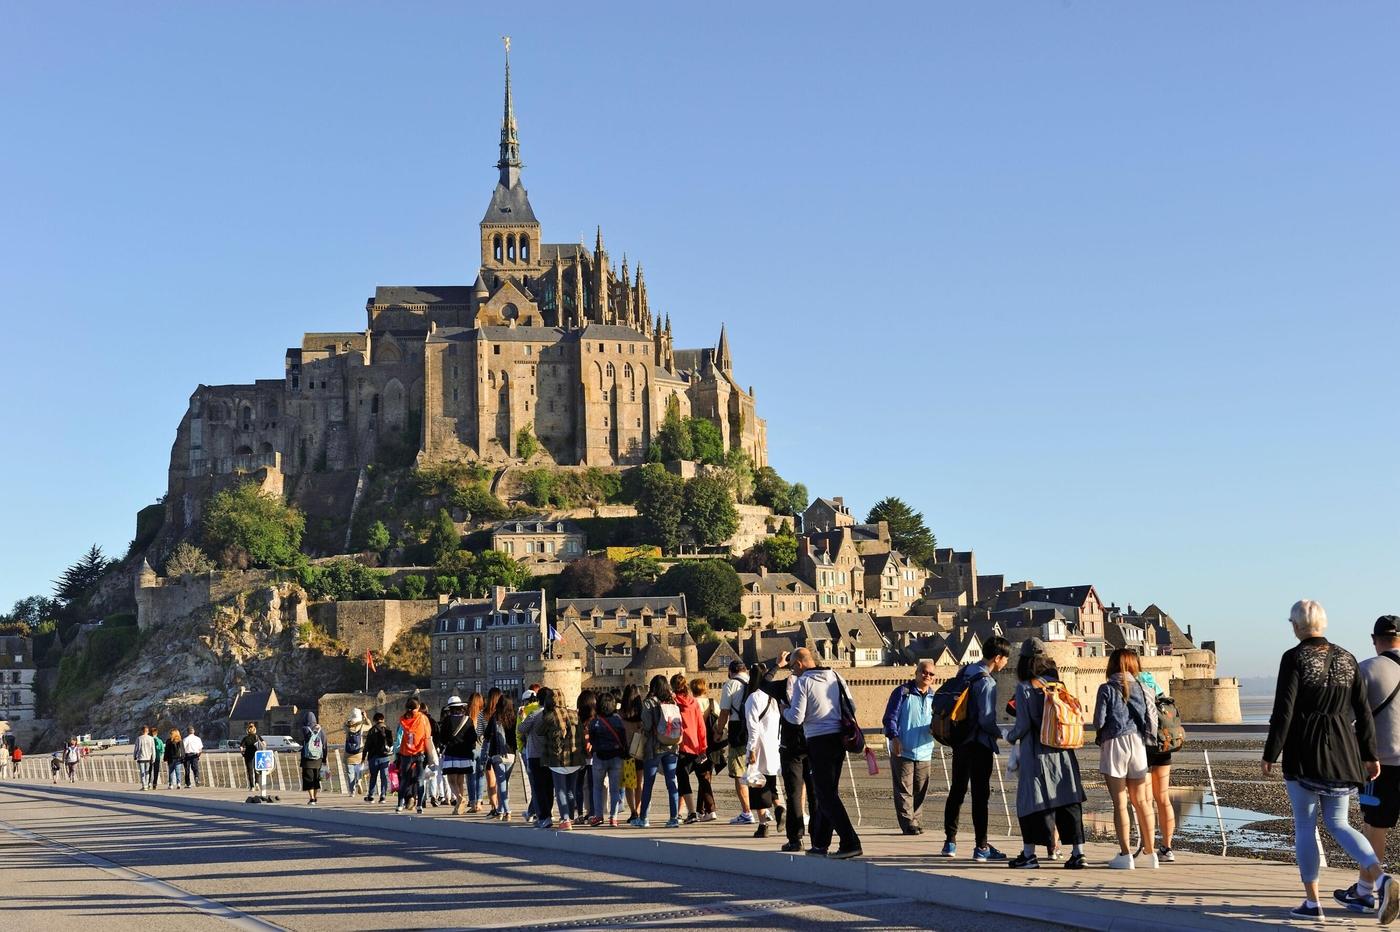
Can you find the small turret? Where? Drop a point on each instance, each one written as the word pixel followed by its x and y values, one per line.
pixel 723 361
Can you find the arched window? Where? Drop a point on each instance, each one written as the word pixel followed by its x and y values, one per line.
pixel 627 371
pixel 493 379
pixel 525 250
pixel 374 404
pixel 612 373
pixel 510 247
pixel 248 417
pixel 505 377
pixel 496 247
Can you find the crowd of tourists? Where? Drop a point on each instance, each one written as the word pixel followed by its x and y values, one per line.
pixel 782 731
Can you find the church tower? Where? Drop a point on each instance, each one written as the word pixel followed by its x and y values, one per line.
pixel 510 234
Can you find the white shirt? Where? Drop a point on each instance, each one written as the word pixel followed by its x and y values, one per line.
pixel 193 744
pixel 731 695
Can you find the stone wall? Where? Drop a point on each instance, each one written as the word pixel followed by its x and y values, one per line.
pixel 371 624
pixel 1208 700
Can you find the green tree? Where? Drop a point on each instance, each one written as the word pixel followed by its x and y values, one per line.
pixel 588 577
pixel 908 533
pixel 341 581
pixel 709 510
pixel 773 491
pixel 661 503
pixel 443 539
pixel 639 569
pixel 711 587
pixel 780 551
pixel 445 585
pixel 377 537
pixel 526 446
pixel 247 525
pixel 673 439
pixel 798 499
pixel 739 467
pixel 187 559
pixel 491 568
pixel 538 486
pixel 81 576
pixel 706 440
pixel 414 587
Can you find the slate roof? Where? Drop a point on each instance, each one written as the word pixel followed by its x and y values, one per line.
pixel 653 656
pixel 776 583
pixel 252 706
pixel 422 294
pixel 693 359
pixel 1175 636
pixel 565 251
pixel 509 205
pixel 1059 595
pixel 657 604
pixel 536 526
pixel 715 655
pixel 1116 634
pixel 614 332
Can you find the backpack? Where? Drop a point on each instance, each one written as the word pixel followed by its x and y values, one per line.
pixel 950 724
pixel 315 746
pixel 714 738
pixel 1170 735
pixel 1062 723
pixel 668 725
pixel 354 742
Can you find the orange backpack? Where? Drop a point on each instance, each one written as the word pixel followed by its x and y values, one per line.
pixel 1062 724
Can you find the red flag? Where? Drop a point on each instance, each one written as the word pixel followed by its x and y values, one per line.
pixel 369 661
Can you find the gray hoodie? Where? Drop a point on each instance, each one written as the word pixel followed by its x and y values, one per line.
pixel 816 702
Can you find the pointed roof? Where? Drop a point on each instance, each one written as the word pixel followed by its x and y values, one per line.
pixel 509 163
pixel 509 202
pixel 723 360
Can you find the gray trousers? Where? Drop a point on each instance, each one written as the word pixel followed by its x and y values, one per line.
pixel 910 779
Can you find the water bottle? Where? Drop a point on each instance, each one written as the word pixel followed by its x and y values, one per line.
pixel 1368 795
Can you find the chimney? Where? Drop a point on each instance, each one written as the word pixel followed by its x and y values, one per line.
pixel 498 596
pixel 762 571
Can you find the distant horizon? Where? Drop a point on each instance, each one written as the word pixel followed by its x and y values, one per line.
pixel 1107 294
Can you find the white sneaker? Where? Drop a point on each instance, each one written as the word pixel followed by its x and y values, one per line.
pixel 1121 862
pixel 1149 861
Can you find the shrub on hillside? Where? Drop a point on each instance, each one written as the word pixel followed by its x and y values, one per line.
pixel 246 524
pixel 341 581
pixel 186 560
pixel 589 577
pixel 711 587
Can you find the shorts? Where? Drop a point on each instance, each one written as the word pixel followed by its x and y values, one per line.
pixel 738 762
pixel 1123 756
pixel 311 775
pixel 1159 758
pixel 1386 789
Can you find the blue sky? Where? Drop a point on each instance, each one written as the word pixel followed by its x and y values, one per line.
pixel 1109 291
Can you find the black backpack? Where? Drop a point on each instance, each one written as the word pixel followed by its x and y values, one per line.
pixel 354 742
pixel 953 717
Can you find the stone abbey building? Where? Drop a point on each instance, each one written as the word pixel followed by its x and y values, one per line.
pixel 550 337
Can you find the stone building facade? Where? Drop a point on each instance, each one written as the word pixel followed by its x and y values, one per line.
pixel 770 599
pixel 550 338
pixel 536 540
pixel 17 671
pixel 492 642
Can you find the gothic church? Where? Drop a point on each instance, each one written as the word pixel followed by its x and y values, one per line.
pixel 550 337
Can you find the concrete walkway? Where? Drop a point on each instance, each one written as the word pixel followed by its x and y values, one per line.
pixel 1197 892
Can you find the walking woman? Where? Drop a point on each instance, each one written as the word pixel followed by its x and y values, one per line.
pixel 174 759
pixel 630 708
pixel 1159 773
pixel 763 718
pixel 561 750
pixel 501 753
pixel 606 742
pixel 483 756
pixel 379 752
pixel 1126 720
pixel 692 748
pixel 475 778
pixel 705 766
pixel 660 757
pixel 1049 791
pixel 530 731
pixel 583 779
pixel 457 734
pixel 1321 725
pixel 412 747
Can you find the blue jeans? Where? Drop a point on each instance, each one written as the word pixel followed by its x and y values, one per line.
pixel 175 773
pixel 1306 805
pixel 665 762
pixel 476 779
pixel 612 770
pixel 503 773
pixel 564 795
pixel 379 773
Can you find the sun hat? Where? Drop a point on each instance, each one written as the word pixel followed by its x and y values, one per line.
pixel 455 700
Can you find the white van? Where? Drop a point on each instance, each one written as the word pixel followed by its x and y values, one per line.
pixel 281 743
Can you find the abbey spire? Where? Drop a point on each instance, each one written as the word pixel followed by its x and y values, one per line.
pixel 509 163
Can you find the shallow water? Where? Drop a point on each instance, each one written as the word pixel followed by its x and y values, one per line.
pixel 1196 820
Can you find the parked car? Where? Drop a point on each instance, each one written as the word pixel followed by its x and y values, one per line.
pixel 123 739
pixel 281 743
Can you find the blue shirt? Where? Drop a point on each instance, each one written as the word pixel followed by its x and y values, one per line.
pixel 908 715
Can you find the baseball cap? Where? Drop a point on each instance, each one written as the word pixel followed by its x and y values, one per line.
pixel 1387 626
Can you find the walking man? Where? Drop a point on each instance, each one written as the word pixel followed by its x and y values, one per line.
pixel 816 706
pixel 974 759
pixel 907 717
pixel 1381 676
pixel 193 746
pixel 793 761
pixel 731 721
pixel 146 758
